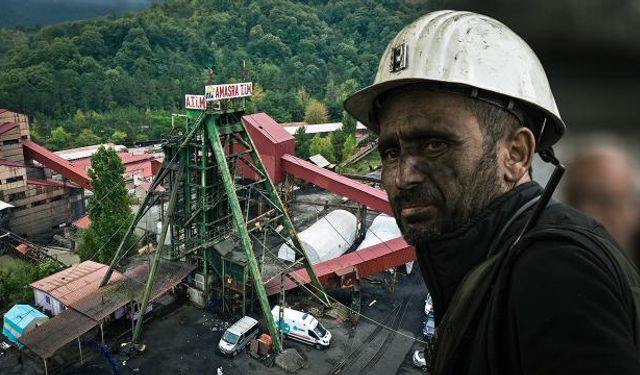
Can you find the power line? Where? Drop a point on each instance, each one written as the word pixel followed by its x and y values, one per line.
pixel 352 311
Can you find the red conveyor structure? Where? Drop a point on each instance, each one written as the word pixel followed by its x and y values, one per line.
pixel 269 137
pixel 56 163
pixel 274 144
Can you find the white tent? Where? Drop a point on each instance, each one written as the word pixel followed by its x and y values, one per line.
pixel 328 238
pixel 382 229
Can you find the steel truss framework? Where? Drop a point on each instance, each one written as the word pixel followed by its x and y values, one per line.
pixel 208 206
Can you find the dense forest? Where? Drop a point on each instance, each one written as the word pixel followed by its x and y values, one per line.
pixel 119 78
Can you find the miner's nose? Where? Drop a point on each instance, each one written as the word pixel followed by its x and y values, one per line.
pixel 408 174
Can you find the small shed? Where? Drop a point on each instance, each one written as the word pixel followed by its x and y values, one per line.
pixel 20 320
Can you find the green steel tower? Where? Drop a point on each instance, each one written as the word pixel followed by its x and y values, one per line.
pixel 216 211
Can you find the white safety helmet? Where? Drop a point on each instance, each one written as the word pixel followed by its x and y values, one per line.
pixel 470 54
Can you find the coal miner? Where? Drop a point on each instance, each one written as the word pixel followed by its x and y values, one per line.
pixel 521 284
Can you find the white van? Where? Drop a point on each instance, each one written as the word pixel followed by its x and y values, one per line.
pixel 236 337
pixel 303 327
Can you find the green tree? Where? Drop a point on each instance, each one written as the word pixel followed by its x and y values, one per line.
pixel 337 143
pixel 58 139
pixel 86 138
pixel 109 208
pixel 322 146
pixel 315 147
pixel 118 136
pixel 15 277
pixel 349 124
pixel 349 148
pixel 302 143
pixel 316 112
pixel 327 149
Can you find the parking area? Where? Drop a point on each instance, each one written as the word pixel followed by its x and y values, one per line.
pixel 183 339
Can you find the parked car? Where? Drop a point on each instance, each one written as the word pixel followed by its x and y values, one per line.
pixel 419 360
pixel 303 327
pixel 236 337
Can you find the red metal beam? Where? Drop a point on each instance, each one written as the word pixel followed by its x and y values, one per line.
pixel 56 163
pixel 368 261
pixel 344 186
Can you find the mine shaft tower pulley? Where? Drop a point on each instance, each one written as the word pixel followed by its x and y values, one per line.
pixel 207 206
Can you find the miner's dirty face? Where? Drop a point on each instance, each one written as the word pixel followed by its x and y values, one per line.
pixel 435 169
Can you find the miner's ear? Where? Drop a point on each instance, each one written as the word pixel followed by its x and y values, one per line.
pixel 517 155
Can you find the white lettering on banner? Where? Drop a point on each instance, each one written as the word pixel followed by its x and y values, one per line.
pixel 228 91
pixel 195 102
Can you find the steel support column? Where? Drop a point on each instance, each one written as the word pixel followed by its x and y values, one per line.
pixel 243 234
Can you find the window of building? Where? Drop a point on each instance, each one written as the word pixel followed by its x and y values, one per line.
pixel 17 196
pixel 14 179
pixel 38 203
pixel 10 142
pixel 48 300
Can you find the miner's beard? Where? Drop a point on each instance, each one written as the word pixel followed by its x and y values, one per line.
pixel 454 204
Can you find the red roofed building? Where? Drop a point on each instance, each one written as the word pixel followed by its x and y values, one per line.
pixel 63 289
pixel 138 168
pixel 41 205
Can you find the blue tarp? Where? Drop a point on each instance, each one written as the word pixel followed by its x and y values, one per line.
pixel 18 319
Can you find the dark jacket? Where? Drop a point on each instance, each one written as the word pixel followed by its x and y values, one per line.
pixel 561 310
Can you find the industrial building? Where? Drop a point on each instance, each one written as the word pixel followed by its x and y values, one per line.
pixel 224 223
pixel 42 203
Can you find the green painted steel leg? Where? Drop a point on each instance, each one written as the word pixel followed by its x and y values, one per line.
pixel 286 220
pixel 236 211
pixel 156 262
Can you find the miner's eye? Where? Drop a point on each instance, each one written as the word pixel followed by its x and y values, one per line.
pixel 435 146
pixel 390 154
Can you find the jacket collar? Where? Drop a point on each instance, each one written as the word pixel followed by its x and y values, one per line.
pixel 445 259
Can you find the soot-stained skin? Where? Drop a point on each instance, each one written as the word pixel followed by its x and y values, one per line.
pixel 432 149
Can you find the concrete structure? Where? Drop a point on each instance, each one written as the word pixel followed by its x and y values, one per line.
pixel 40 203
pixel 19 320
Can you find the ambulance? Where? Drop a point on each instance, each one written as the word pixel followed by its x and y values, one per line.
pixel 303 327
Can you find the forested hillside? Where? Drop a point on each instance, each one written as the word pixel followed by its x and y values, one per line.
pixel 119 78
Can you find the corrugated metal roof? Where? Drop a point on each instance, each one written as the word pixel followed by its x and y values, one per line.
pixel 57 332
pixel 7 126
pixel 86 151
pixel 74 283
pixel 118 293
pixel 320 128
pixel 87 312
pixel 319 160
pixel 125 157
